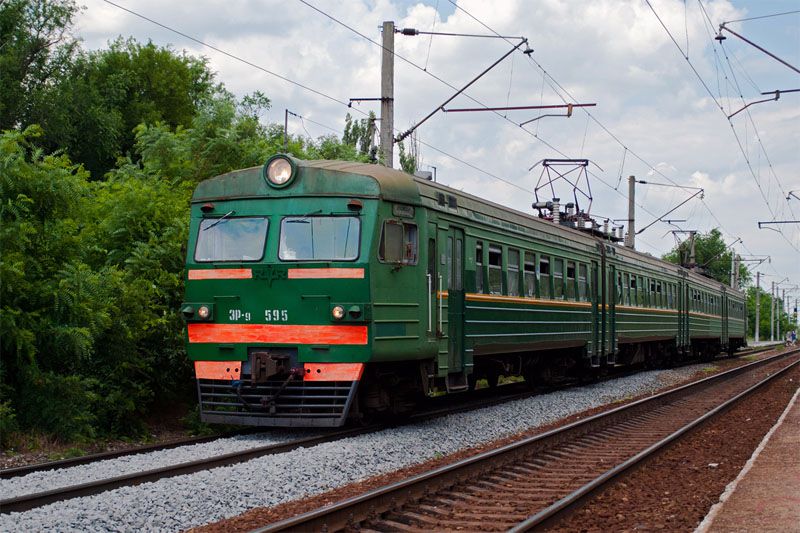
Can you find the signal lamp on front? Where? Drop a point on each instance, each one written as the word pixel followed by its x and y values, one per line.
pixel 279 171
pixel 338 312
pixel 203 312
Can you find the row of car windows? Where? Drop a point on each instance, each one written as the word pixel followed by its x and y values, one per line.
pixel 525 273
pixel 537 275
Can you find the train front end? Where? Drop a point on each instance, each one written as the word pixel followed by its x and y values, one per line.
pixel 277 293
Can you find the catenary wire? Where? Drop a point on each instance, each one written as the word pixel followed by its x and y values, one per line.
pixel 733 129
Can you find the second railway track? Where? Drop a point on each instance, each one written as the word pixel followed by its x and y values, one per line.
pixel 528 483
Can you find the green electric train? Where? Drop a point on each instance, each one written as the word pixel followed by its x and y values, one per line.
pixel 322 290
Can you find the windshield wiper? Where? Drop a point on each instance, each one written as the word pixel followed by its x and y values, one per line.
pixel 303 219
pixel 223 217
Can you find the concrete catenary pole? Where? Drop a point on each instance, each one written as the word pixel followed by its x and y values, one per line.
pixel 387 95
pixel 630 241
pixel 733 269
pixel 780 312
pixel 758 303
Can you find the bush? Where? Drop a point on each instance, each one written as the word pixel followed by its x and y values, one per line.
pixel 8 423
pixel 63 406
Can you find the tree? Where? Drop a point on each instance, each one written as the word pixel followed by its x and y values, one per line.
pixel 36 45
pixel 711 254
pixel 361 134
pixel 94 108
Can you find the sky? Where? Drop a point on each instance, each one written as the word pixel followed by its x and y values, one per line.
pixel 658 115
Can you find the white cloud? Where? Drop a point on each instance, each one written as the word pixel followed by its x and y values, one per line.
pixel 610 52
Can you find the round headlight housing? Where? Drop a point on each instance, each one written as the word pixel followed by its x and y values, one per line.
pixel 279 171
pixel 337 312
pixel 203 312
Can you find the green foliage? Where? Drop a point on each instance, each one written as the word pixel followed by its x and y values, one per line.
pixel 408 160
pixel 223 136
pixel 97 164
pixel 360 134
pixel 64 406
pixel 765 302
pixel 89 103
pixel 8 423
pixel 712 254
pixel 35 46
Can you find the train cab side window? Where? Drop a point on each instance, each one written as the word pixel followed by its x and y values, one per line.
pixel 398 243
pixel 570 280
pixel 479 267
pixel 495 269
pixel 583 286
pixel 529 274
pixel 513 272
pixel 544 277
pixel 558 278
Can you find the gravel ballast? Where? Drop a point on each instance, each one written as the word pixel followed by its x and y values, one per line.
pixel 186 501
pixel 129 464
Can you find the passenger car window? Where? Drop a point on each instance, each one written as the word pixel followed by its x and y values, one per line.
pixel 544 277
pixel 558 278
pixel 583 285
pixel 513 272
pixel 495 269
pixel 529 274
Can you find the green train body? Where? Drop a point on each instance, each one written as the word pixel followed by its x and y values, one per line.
pixel 351 288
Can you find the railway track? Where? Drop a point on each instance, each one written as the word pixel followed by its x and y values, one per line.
pixel 31 501
pixel 482 398
pixel 531 483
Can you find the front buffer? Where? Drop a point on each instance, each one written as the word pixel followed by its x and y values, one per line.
pixel 271 388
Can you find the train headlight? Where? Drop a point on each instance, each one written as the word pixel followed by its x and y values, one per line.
pixel 337 312
pixel 279 170
pixel 203 312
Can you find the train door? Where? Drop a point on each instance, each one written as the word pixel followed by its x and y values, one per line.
pixel 683 314
pixel 597 310
pixel 723 308
pixel 454 249
pixel 449 311
pixel 611 314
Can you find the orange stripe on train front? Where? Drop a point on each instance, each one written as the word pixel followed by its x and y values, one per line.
pixel 218 369
pixel 277 334
pixel 326 273
pixel 333 371
pixel 221 273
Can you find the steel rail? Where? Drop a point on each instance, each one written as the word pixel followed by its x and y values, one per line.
pixel 24 470
pixel 371 504
pixel 33 500
pixel 558 511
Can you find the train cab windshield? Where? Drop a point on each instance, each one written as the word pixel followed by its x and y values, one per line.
pixel 231 239
pixel 319 238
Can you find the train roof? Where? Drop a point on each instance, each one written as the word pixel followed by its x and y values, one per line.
pixel 397 186
pixel 389 184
